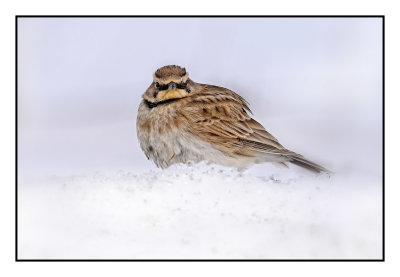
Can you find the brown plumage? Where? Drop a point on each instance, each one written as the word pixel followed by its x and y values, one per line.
pixel 180 121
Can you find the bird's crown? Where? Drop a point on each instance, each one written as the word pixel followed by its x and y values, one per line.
pixel 171 73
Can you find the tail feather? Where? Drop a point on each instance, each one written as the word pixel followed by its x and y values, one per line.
pixel 302 162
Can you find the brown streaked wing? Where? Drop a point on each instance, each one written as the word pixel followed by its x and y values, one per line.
pixel 220 116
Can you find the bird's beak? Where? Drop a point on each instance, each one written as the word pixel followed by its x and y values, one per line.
pixel 172 86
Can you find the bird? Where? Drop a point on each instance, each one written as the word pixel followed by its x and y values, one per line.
pixel 181 121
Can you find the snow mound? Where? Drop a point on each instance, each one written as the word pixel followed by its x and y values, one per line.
pixel 201 212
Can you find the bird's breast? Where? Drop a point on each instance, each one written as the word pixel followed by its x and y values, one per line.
pixel 160 131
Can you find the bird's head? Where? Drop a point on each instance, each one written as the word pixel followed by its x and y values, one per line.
pixel 169 82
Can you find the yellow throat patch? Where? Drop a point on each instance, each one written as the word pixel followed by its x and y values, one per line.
pixel 171 94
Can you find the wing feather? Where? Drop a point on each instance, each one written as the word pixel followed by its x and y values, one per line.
pixel 221 116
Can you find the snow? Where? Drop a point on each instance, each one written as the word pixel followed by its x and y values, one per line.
pixel 85 189
pixel 201 212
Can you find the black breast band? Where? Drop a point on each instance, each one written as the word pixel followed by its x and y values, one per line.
pixel 153 105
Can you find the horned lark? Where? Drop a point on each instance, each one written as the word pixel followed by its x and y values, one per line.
pixel 180 120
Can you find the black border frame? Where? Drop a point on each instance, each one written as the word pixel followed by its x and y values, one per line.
pixel 200 260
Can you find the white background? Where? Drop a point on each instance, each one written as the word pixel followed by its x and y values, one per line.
pixel 328 269
pixel 313 83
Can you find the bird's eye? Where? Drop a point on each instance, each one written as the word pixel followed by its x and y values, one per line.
pixel 182 85
pixel 157 85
